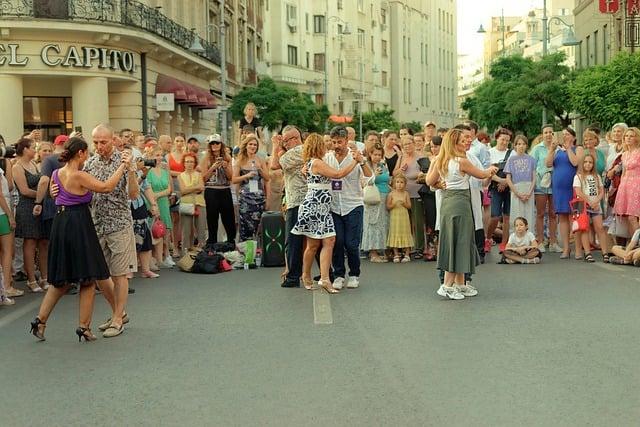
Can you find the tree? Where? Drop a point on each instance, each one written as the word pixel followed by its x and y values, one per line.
pixel 277 105
pixel 517 90
pixel 609 94
pixel 377 120
pixel 414 126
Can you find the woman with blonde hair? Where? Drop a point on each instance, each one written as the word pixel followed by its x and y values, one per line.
pixel 627 204
pixel 314 214
pixel 252 173
pixel 457 253
pixel 44 150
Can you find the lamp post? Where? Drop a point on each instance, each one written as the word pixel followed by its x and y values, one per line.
pixel 481 30
pixel 568 40
pixel 345 31
pixel 223 73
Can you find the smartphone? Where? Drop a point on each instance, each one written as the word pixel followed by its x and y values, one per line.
pixel 78 129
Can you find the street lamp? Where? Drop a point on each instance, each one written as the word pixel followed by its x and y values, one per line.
pixel 481 30
pixel 568 39
pixel 345 31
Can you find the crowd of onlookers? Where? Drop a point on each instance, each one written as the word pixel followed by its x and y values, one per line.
pixel 376 191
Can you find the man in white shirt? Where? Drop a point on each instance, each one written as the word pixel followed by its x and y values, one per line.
pixel 347 208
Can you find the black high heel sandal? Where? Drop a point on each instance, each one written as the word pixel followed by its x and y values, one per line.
pixel 35 329
pixel 86 334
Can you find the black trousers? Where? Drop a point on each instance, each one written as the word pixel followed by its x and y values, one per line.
pixel 220 204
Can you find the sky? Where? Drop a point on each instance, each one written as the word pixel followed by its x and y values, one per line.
pixel 472 13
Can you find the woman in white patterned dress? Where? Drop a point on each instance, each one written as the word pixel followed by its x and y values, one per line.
pixel 314 215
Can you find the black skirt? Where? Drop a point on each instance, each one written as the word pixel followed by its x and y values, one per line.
pixel 75 255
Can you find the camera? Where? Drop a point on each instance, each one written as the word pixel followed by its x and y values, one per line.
pixel 149 163
pixel 7 152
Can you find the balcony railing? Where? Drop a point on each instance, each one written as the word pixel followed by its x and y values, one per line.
pixel 128 13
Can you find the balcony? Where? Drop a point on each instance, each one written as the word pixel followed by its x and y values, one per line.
pixel 125 13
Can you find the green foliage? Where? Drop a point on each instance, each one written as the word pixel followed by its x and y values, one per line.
pixel 609 94
pixel 414 126
pixel 377 120
pixel 517 90
pixel 277 104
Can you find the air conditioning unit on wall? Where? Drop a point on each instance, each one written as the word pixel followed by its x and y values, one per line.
pixel 293 25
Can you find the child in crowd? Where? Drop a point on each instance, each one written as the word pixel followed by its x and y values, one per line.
pixel 521 173
pixel 522 247
pixel 398 204
pixel 628 255
pixel 588 187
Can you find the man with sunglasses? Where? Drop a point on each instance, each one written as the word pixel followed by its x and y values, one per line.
pixel 287 155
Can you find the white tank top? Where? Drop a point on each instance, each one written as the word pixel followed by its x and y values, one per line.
pixel 455 180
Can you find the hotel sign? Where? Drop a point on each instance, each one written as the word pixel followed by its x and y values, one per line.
pixel 53 55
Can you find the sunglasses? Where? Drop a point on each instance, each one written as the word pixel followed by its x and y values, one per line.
pixel 215 142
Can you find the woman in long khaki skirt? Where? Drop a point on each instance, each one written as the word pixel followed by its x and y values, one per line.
pixel 457 252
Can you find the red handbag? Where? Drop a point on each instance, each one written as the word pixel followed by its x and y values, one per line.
pixel 579 215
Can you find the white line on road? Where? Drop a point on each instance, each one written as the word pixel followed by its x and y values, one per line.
pixel 321 308
pixel 19 312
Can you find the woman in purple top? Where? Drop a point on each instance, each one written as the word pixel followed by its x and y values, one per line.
pixel 75 255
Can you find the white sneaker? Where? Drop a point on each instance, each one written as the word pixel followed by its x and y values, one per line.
pixel 353 282
pixel 168 261
pixel 554 247
pixel 338 283
pixel 467 290
pixel 6 300
pixel 541 248
pixel 450 292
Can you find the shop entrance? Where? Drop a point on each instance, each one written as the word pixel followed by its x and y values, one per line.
pixel 52 115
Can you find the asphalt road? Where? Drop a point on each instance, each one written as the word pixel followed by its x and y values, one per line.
pixel 550 344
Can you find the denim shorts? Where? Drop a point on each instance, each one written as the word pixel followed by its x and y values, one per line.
pixel 500 203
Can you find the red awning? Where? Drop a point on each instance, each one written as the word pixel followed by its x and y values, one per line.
pixel 340 119
pixel 185 93
pixel 165 84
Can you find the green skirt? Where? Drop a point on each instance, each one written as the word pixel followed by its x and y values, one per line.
pixel 457 249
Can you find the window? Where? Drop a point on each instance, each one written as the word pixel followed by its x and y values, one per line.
pixel 292 12
pixel 339 28
pixel 404 46
pixel 605 47
pixel 372 106
pixel 422 53
pixel 409 48
pixel 595 47
pixel 355 107
pixel 306 22
pixel 361 6
pixel 341 107
pixel 340 5
pixel 409 90
pixel 318 62
pixel 340 67
pixel 360 38
pixel 318 24
pixel 319 99
pixel 384 48
pixel 383 16
pixel 292 56
pixel 361 71
pixel 308 63
pixel 426 54
pixel 426 94
pixel 373 50
pixel 384 78
pixel 404 90
pixel 588 43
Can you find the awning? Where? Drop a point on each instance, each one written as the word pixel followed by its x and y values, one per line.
pixel 185 93
pixel 340 119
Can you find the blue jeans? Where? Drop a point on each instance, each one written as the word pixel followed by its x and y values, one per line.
pixel 348 238
pixel 293 248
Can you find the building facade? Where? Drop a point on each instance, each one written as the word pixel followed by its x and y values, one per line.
pixel 73 64
pixel 602 35
pixel 365 54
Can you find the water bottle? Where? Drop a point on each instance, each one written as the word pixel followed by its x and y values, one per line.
pixel 258 259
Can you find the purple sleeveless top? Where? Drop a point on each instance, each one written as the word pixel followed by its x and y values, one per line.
pixel 67 199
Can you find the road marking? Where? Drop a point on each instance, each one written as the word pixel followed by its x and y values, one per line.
pixel 321 308
pixel 19 312
pixel 611 267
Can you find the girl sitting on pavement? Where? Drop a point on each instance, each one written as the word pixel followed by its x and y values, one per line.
pixel 522 247
pixel 630 254
pixel 588 187
pixel 398 204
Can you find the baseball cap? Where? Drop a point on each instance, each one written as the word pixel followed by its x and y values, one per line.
pixel 429 123
pixel 214 138
pixel 60 140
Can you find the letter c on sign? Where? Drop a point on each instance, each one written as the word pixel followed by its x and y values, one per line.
pixel 44 55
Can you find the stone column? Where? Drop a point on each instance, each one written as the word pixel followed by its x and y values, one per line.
pixel 90 100
pixel 11 108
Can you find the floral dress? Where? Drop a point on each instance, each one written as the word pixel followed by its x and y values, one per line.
pixel 628 197
pixel 251 204
pixel 314 214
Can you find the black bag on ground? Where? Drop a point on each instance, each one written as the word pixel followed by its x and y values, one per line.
pixel 221 247
pixel 207 262
pixel 271 235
